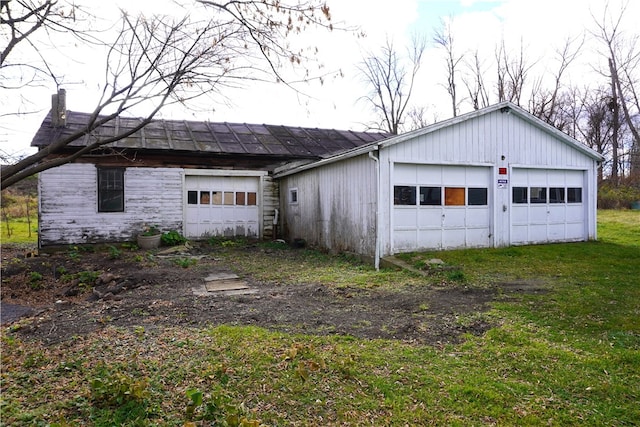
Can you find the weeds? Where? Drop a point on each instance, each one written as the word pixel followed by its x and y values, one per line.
pixel 35 280
pixel 114 253
pixel 185 262
pixel 173 238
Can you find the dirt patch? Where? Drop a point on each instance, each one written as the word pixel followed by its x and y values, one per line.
pixel 136 291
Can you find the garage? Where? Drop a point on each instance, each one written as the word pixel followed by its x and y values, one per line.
pixel 494 177
pixel 441 207
pixel 222 206
pixel 547 205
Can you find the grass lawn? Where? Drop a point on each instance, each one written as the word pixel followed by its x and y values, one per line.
pixel 19 231
pixel 570 356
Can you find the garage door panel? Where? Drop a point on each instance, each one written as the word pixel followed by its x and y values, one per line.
pixel 221 206
pixel 405 173
pixel 477 238
pixel 454 218
pixel 555 232
pixel 574 231
pixel 430 218
pixel 477 218
pixel 557 214
pixel 431 239
pixel 438 223
pixel 428 175
pixel 405 218
pixel 549 222
pixel 538 215
pixel 405 239
pixel 454 238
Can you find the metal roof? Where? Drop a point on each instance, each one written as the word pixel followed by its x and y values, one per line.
pixel 210 137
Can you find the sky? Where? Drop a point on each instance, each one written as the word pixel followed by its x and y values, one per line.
pixel 540 26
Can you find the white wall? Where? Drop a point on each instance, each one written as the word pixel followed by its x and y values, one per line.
pixel 336 207
pixel 480 141
pixel 69 206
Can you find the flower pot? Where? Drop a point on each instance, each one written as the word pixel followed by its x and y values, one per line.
pixel 149 242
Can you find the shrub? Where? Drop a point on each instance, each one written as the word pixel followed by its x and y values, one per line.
pixel 173 238
pixel 620 197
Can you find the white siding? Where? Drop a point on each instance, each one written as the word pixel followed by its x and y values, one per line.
pixel 495 139
pixel 336 207
pixel 68 204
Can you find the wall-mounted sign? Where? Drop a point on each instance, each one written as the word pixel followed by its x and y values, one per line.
pixel 503 183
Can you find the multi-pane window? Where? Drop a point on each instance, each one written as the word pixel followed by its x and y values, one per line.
pixel 538 195
pixel 574 195
pixel 430 196
pixel 453 196
pixel 556 195
pixel 237 198
pixel 477 196
pixel 520 194
pixel 405 195
pixel 111 190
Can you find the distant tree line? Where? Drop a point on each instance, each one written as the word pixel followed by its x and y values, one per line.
pixel 604 116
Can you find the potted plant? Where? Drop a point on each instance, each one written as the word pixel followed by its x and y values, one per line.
pixel 149 238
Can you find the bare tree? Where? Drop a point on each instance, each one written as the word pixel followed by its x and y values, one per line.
pixel 623 60
pixel 156 61
pixel 391 79
pixel 512 73
pixel 444 39
pixel 595 124
pixel 550 103
pixel 474 81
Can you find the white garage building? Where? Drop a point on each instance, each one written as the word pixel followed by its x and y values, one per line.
pixel 494 177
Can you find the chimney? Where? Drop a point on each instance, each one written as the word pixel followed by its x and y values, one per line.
pixel 59 109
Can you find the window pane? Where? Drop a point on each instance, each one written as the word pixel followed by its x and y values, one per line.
pixel 205 198
pixel 453 196
pixel 477 197
pixel 519 194
pixel 111 190
pixel 216 197
pixel 574 195
pixel 228 197
pixel 538 195
pixel 293 195
pixel 556 195
pixel 251 199
pixel 240 198
pixel 404 195
pixel 192 197
pixel 431 196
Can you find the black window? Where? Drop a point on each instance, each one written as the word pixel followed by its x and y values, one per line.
pixel 430 196
pixel 519 195
pixel 111 190
pixel 538 195
pixel 477 197
pixel 404 195
pixel 574 195
pixel 556 195
pixel 192 197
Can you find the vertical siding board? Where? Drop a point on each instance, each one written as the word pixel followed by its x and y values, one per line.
pixel 336 206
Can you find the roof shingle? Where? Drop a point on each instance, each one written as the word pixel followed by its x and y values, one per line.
pixel 211 137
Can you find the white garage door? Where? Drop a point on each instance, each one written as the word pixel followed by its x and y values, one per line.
pixel 222 206
pixel 441 207
pixel 547 206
